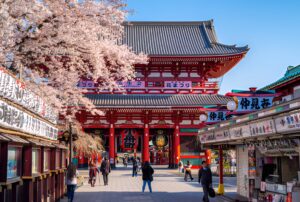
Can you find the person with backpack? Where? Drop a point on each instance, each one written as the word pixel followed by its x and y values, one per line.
pixel 188 171
pixel 105 170
pixel 148 172
pixel 205 178
pixel 72 174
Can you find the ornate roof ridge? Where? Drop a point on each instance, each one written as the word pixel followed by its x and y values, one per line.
pixel 164 23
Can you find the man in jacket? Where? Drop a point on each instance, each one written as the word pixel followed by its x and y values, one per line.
pixel 105 170
pixel 205 177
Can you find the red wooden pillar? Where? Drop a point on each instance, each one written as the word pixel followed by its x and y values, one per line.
pixel 146 144
pixel 112 145
pixel 171 162
pixel 221 184
pixel 176 146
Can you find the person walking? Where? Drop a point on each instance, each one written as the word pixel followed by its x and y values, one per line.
pixel 93 173
pixel 180 166
pixel 72 174
pixel 105 170
pixel 205 178
pixel 188 171
pixel 147 171
pixel 134 167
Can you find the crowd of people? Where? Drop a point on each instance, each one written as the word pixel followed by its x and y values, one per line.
pixel 204 175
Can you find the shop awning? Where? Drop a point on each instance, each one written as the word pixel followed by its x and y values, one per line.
pixel 15 138
pixel 60 146
pixel 3 138
pixel 35 142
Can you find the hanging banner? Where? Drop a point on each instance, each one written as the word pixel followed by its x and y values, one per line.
pixel 178 84
pixel 13 118
pixel 216 116
pixel 240 132
pixel 86 84
pixel 131 84
pixel 287 123
pixel 15 91
pixel 222 135
pixel 129 139
pixel 246 104
pixel 207 138
pixel 262 128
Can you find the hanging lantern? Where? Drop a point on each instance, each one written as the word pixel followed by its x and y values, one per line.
pixel 160 140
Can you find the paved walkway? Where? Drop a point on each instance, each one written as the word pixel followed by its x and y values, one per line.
pixel 168 186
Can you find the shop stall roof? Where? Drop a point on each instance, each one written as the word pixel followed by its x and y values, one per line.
pixel 35 142
pixel 48 144
pixel 60 146
pixel 3 138
pixel 15 138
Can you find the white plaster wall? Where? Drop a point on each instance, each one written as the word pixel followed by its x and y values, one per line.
pixel 242 171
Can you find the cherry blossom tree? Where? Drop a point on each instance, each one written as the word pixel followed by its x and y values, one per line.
pixel 52 44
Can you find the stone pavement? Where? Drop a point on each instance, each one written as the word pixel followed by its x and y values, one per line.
pixel 167 186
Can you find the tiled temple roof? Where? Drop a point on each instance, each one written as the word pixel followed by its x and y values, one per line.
pixel 290 74
pixel 156 101
pixel 176 39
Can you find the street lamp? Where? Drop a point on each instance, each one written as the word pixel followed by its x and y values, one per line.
pixel 233 104
pixel 203 117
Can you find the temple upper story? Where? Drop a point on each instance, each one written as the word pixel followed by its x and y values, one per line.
pixel 183 58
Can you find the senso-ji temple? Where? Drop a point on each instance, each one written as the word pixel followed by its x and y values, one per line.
pixel 158 117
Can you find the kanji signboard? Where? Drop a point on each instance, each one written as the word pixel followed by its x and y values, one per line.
pixel 131 84
pixel 253 103
pixel 216 116
pixel 178 84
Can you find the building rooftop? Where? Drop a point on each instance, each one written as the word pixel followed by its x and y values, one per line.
pixel 176 39
pixel 291 73
pixel 156 101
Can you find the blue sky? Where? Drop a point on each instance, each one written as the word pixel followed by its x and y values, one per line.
pixel 271 28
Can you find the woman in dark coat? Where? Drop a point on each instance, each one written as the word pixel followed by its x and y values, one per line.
pixel 147 171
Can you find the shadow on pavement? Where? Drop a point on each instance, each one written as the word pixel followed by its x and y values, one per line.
pixel 139 197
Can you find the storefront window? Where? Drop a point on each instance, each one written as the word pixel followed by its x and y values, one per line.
pixel 35 160
pixel 46 160
pixel 57 159
pixel 12 163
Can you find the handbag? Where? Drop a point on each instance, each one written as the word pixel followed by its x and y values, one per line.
pixel 211 192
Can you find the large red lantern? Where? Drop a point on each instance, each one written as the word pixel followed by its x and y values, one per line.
pixel 129 139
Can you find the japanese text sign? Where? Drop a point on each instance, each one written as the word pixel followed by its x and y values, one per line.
pixel 253 103
pixel 178 84
pixel 216 116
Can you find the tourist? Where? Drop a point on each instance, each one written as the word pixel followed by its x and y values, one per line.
pixel 105 170
pixel 147 171
pixel 72 174
pixel 180 166
pixel 188 171
pixel 134 167
pixel 93 171
pixel 205 177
